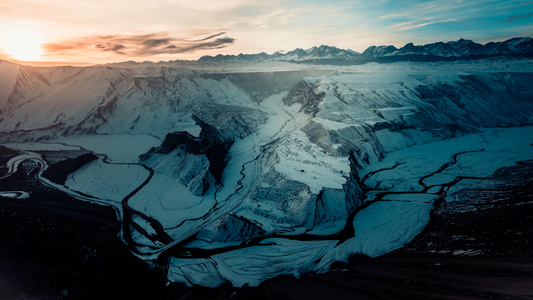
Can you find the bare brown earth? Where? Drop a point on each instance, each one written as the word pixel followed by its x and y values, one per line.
pixel 53 246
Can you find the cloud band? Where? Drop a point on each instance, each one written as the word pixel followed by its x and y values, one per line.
pixel 141 44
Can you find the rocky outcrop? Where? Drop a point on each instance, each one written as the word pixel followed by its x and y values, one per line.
pixel 353 187
pixel 206 156
pixel 304 94
pixel 59 171
pixel 234 228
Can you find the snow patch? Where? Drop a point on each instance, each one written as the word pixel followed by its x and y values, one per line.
pixel 303 161
pixel 117 147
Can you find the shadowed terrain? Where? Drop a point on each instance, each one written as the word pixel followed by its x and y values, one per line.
pixel 55 246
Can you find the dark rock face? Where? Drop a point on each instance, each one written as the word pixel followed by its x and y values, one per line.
pixel 304 94
pixel 217 148
pixel 234 228
pixel 191 144
pixel 325 201
pixel 353 185
pixel 210 143
pixel 59 171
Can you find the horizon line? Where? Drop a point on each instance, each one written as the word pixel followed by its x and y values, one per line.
pixel 88 64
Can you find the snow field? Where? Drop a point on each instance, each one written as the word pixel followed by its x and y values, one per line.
pixel 107 181
pixel 251 265
pixel 119 148
pixel 15 194
pixel 380 228
pixel 502 147
pixel 303 161
pixel 361 104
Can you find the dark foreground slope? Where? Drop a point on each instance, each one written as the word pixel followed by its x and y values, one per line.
pixel 53 246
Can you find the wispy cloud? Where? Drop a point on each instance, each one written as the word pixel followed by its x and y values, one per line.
pixel 163 28
pixel 416 26
pixel 139 45
pixel 515 18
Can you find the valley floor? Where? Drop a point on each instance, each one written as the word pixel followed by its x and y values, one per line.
pixel 451 259
pixel 476 248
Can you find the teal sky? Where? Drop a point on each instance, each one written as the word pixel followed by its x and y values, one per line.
pixel 104 31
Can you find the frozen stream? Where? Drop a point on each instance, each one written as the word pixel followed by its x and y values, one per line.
pixel 400 192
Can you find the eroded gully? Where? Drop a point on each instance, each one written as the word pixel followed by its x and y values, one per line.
pixel 348 231
pixel 178 250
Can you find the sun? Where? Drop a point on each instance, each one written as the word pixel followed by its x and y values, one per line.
pixel 21 44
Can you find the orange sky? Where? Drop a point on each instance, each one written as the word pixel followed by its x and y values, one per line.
pixel 103 31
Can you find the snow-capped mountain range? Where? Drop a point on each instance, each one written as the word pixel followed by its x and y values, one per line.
pixel 239 172
pixel 454 50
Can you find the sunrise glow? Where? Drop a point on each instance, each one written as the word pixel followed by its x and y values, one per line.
pixel 22 44
pixel 76 31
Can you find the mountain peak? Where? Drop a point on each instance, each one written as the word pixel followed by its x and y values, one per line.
pixel 451 50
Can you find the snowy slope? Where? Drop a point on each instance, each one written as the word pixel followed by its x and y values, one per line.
pixel 19 84
pixel 243 176
pixel 449 51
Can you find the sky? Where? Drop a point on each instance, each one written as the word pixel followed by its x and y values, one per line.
pixel 104 31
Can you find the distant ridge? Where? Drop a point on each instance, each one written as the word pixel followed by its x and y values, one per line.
pixel 454 50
